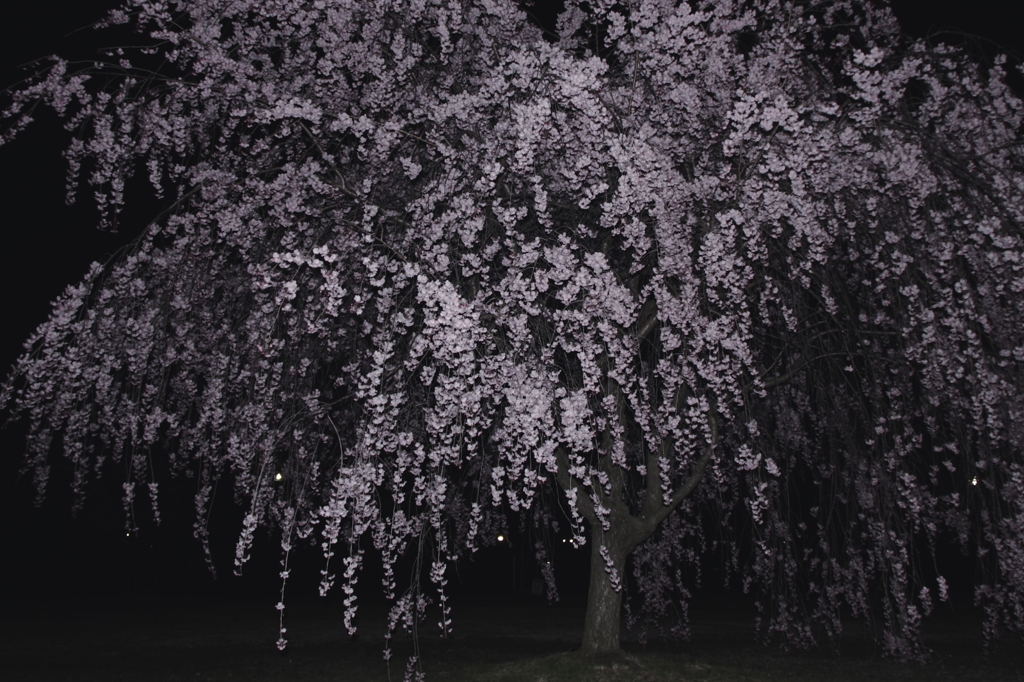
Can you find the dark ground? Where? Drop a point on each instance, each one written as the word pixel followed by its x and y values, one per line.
pixel 495 638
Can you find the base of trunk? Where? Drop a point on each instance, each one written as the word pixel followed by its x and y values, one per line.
pixel 604 604
pixel 618 659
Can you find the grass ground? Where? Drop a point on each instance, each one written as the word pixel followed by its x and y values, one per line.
pixel 498 640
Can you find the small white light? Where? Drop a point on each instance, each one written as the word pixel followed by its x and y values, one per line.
pixel 278 476
pixel 974 481
pixel 127 535
pixel 501 538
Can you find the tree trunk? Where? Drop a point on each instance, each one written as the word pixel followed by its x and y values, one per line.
pixel 604 602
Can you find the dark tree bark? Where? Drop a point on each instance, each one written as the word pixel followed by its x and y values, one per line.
pixel 625 531
pixel 604 602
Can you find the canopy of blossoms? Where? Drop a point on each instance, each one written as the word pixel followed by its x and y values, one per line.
pixel 685 276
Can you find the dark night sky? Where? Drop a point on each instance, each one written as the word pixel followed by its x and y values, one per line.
pixel 49 245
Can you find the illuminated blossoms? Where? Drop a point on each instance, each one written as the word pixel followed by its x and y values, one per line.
pixel 737 272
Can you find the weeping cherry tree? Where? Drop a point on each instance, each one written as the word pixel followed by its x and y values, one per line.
pixel 739 278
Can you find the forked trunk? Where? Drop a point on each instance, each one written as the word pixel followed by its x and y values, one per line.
pixel 604 602
pixel 625 530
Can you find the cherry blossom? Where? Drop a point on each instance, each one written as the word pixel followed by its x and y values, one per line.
pixel 662 286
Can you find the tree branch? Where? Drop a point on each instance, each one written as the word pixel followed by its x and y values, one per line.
pixel 648 318
pixel 654 513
